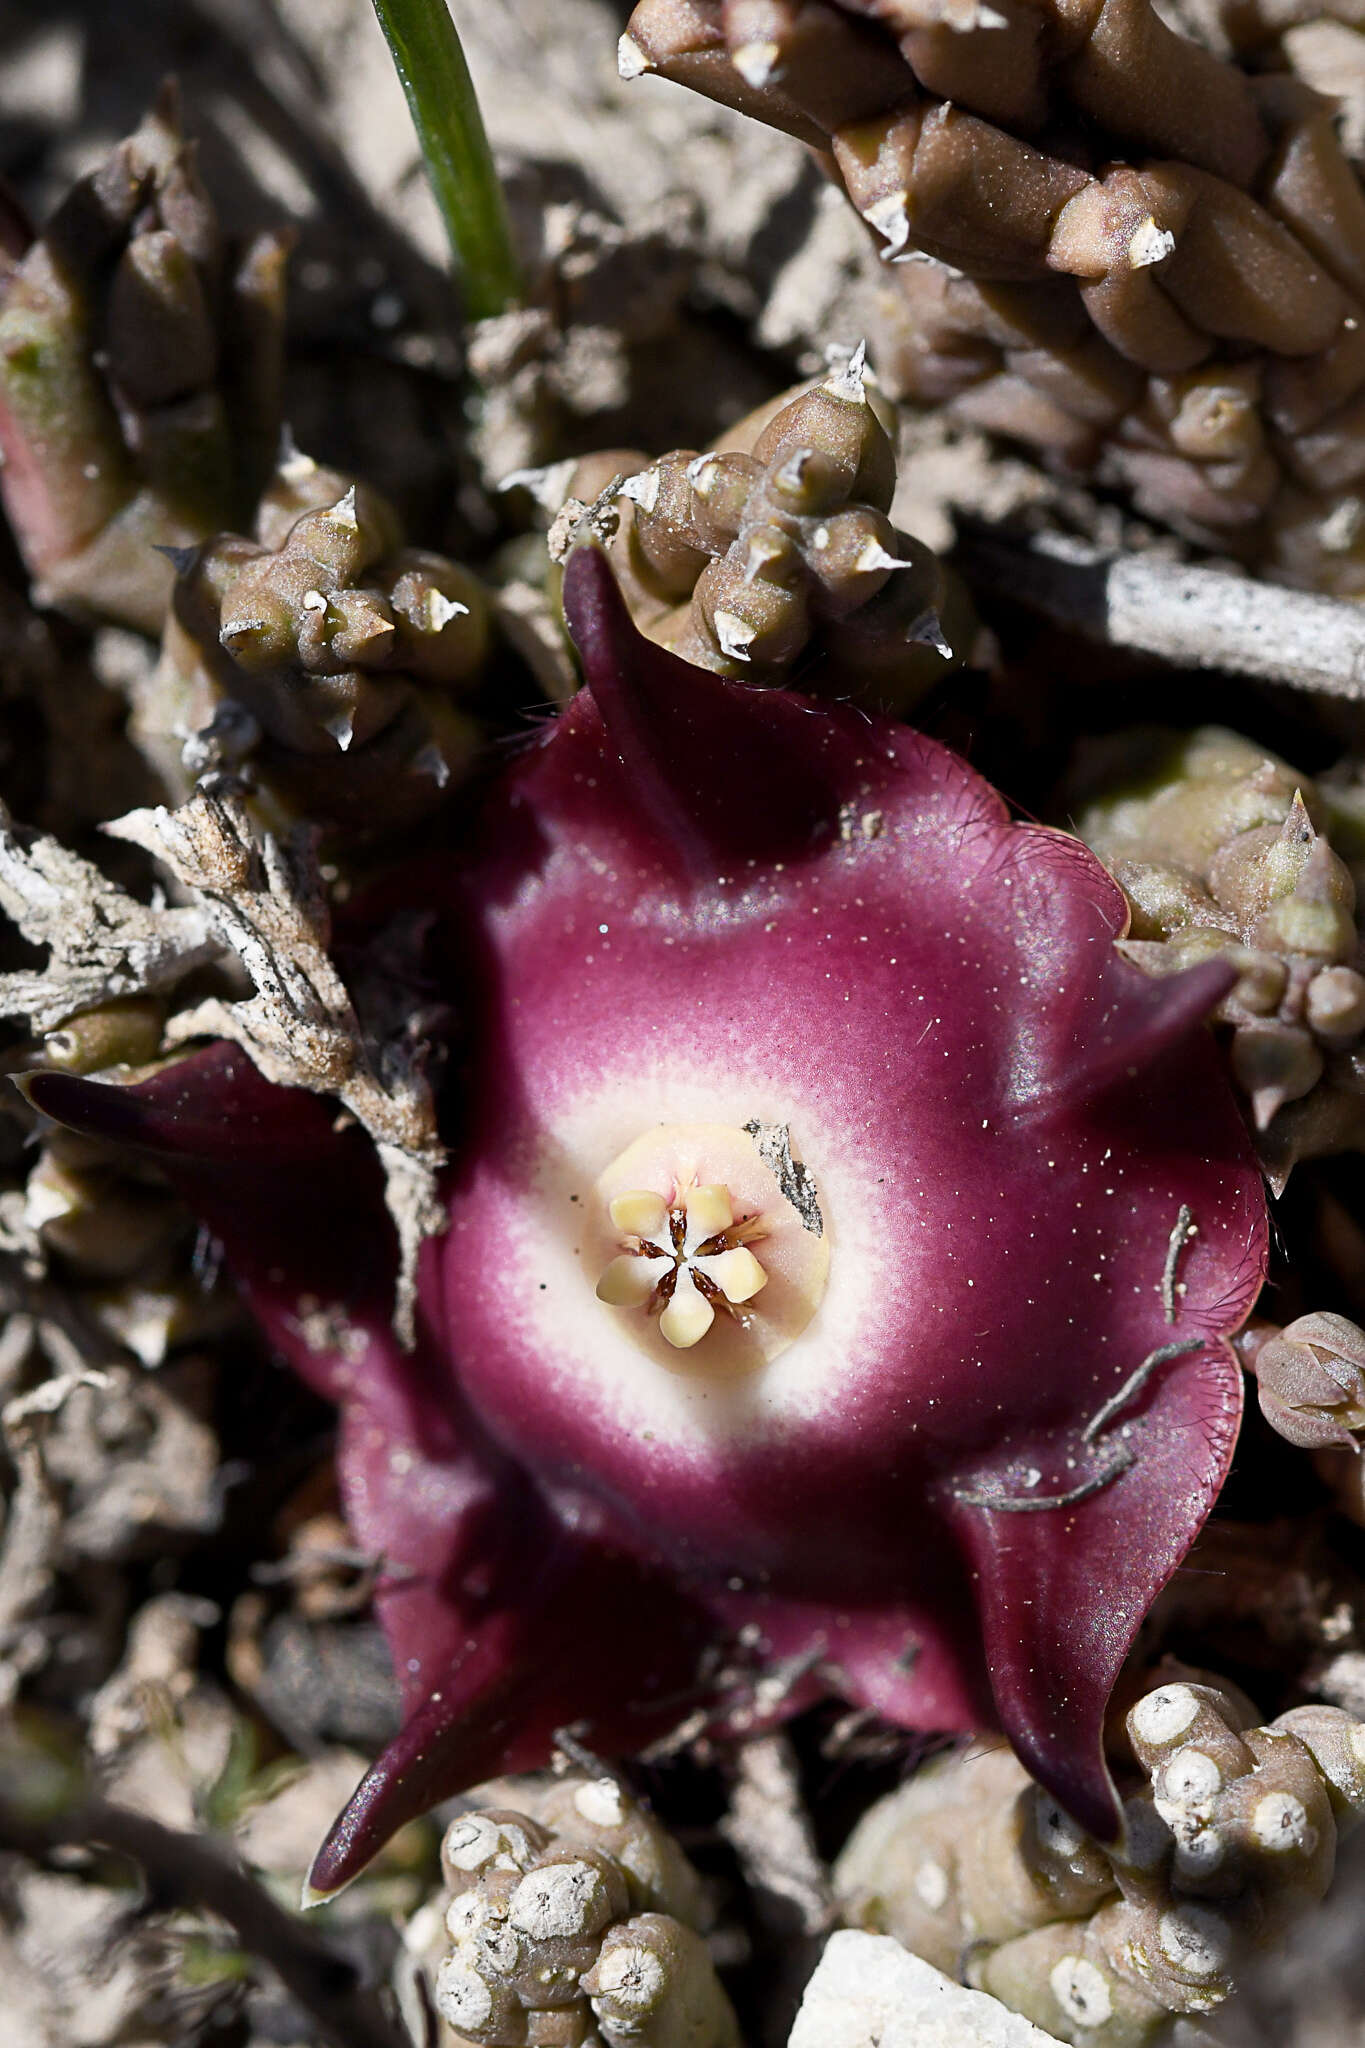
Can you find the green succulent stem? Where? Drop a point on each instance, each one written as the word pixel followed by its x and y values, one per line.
pixel 445 112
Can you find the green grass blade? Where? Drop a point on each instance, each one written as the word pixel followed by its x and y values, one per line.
pixel 445 113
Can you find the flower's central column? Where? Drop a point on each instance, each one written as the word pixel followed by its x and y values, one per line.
pixel 707 1247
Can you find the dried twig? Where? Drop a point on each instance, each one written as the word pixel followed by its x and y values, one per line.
pixel 264 901
pixel 188 1870
pixel 33 1525
pixel 1193 617
pixel 103 944
pixel 770 1831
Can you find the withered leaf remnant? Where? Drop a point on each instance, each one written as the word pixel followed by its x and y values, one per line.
pixel 260 901
pixel 103 943
pixel 265 903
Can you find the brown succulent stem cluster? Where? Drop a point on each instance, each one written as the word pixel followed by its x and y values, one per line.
pixel 1111 243
pixel 575 1922
pixel 1230 1838
pixel 324 657
pixel 1224 853
pixel 772 557
pixel 141 355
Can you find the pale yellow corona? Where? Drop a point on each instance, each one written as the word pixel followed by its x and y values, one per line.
pixel 682 1258
pixel 695 1240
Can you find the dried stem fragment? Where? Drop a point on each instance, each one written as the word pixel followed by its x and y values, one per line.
pixel 264 901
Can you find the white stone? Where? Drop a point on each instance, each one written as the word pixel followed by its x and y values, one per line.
pixel 869 1992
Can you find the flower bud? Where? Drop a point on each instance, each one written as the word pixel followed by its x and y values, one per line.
pixel 1310 1380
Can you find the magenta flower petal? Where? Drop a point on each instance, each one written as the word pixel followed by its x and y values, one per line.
pixel 1003 1120
pixel 961 1421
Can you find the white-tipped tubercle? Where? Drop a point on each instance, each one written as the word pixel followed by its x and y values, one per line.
pixel 1081 1991
pixel 702 473
pixel 559 1900
pixel 1149 244
pixel 631 61
pixel 756 63
pixel 1165 1713
pixel 601 1803
pixel 872 555
pixel 441 609
pixel 429 760
pixel 735 635
pixel 927 631
pixel 631 1979
pixel 890 218
pixel 849 379
pixel 763 549
pixel 642 489
pixel 293 466
pixel 341 728
pixel 343 513
pixel 462 1997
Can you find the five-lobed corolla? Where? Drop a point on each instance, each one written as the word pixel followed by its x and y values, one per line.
pixel 844 1246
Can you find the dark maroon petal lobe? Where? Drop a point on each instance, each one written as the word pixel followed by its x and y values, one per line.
pixel 596 1644
pixel 504 1627
pixel 774 784
pixel 905 1662
pixel 1063 1589
pixel 705 902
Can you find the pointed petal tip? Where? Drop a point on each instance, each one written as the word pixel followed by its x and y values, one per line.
pixel 1164 1014
pixel 588 583
pixel 182 560
pixel 95 1108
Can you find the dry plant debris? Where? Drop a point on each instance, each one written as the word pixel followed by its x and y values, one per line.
pixel 103 944
pixel 258 900
pixel 267 907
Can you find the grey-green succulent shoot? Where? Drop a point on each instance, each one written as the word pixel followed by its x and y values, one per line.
pixel 1232 1836
pixel 575 1919
pixel 325 659
pixel 1225 852
pixel 140 362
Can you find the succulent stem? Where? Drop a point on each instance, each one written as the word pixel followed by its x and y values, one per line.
pixel 445 112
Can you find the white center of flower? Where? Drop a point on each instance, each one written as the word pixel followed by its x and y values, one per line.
pixel 684 1260
pixel 707 1232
